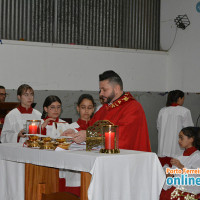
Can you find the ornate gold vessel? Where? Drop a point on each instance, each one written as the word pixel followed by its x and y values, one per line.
pixel 47 145
pixel 32 143
pixel 61 140
pixel 46 139
pixel 33 137
pixel 46 142
pixel 64 145
pixel 93 134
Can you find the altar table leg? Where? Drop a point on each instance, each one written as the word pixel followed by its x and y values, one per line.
pixel 35 176
pixel 85 182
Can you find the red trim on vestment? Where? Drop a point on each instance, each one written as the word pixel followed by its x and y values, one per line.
pixel 24 110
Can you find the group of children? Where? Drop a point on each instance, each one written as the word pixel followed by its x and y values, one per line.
pixel 189 136
pixel 15 121
pixel 14 124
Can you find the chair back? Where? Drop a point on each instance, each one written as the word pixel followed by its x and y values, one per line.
pixel 60 196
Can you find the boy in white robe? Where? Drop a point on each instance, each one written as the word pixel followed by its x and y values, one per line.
pixel 15 120
pixel 12 184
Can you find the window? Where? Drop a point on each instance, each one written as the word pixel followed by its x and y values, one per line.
pixel 109 23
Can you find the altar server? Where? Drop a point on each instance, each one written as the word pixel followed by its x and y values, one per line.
pixel 85 108
pixel 15 121
pixel 52 108
pixel 171 119
pixel 189 139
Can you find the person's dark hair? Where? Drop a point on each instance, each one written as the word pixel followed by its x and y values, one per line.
pixel 23 88
pixel 112 77
pixel 86 96
pixel 47 102
pixel 173 97
pixel 193 132
pixel 2 87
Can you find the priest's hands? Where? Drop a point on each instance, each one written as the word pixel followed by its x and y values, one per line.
pixel 69 132
pixel 21 133
pixel 80 137
pixel 176 163
pixel 45 123
pixel 77 137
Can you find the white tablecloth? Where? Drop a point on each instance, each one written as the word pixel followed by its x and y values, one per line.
pixel 125 176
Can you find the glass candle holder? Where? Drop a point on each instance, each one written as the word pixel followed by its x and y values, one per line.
pixel 33 126
pixel 110 139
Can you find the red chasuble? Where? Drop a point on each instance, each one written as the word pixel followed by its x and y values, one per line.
pixel 129 115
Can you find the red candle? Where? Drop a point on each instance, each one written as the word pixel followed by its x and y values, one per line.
pixel 109 140
pixel 33 129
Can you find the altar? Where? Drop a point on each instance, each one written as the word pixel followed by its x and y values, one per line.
pixel 125 176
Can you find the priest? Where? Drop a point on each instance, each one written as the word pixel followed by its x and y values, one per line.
pixel 123 110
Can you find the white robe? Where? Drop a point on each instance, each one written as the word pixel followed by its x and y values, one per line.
pixel 74 126
pixel 73 178
pixel 54 132
pixel 169 123
pixel 14 123
pixel 80 146
pixel 189 162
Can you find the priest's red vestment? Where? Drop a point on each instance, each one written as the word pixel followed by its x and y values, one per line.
pixel 129 115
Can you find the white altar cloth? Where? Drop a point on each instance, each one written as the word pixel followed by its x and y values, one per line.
pixel 125 176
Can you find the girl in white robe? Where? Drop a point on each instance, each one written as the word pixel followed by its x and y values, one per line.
pixel 52 126
pixel 189 139
pixel 171 119
pixel 15 121
pixel 85 108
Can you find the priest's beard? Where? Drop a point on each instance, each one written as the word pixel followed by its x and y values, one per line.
pixel 110 98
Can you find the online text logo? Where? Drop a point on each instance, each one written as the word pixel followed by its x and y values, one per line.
pixel 183 176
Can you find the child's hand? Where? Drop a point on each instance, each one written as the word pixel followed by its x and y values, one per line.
pixel 46 122
pixel 69 132
pixel 80 137
pixel 21 133
pixel 176 163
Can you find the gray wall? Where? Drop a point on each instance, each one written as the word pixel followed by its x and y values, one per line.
pixel 152 102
